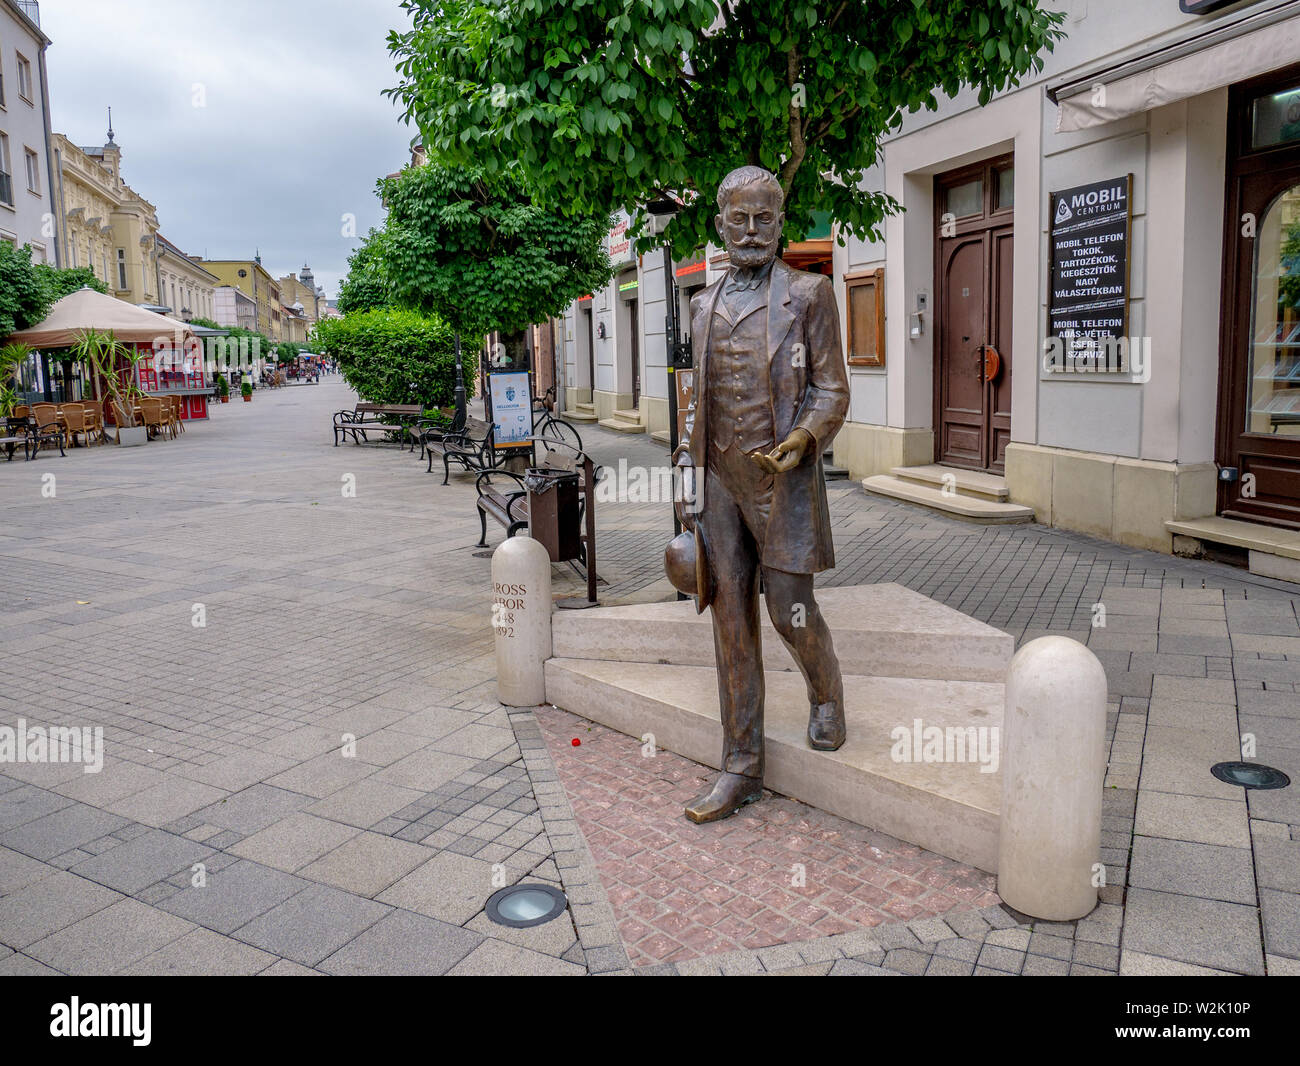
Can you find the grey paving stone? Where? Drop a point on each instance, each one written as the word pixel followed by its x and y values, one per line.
pixel 1193 869
pixel 1001 958
pixel 152 857
pixel 1221 936
pixel 859 968
pixel 366 864
pixel 1045 966
pixel 312 925
pixel 295 841
pixel 109 940
pixel 906 960
pixel 234 896
pixel 26 803
pixel 63 830
pixel 199 954
pixel 17 870
pixel 406 943
pixel 45 905
pixel 947 966
pixel 1278 864
pixel 1104 956
pixel 253 809
pixel 1056 947
pixel 1281 914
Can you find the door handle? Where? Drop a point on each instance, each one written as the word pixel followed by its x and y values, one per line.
pixel 992 362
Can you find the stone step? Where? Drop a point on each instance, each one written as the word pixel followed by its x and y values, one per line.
pixel 977 483
pixel 1272 551
pixel 883 629
pixel 963 508
pixel 580 412
pixel 662 436
pixel 946 807
pixel 620 424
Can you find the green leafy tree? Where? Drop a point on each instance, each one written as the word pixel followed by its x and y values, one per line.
pixel 609 103
pixel 59 283
pixel 365 287
pixel 473 249
pixel 24 297
pixel 206 323
pixel 394 356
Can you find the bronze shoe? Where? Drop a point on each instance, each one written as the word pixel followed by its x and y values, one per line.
pixel 730 793
pixel 826 729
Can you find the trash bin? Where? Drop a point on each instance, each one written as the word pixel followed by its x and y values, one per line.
pixel 554 511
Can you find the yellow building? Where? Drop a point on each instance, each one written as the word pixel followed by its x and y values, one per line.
pixel 301 289
pixel 103 223
pixel 251 278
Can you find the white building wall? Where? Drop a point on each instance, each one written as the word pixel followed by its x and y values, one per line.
pixel 30 220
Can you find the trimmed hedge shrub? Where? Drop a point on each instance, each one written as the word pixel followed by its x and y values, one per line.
pixel 392 356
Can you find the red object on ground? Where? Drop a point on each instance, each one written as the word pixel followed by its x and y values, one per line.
pixel 576 742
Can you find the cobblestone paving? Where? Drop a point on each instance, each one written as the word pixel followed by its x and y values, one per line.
pixel 681 890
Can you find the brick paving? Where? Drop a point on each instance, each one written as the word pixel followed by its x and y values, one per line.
pixel 680 890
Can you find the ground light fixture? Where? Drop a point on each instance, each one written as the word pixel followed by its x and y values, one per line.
pixel 1250 775
pixel 524 905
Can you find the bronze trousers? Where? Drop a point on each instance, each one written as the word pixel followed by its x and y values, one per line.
pixel 737 504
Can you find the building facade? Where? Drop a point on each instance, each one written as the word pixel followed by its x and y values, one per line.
pixel 251 278
pixel 233 307
pixel 1088 309
pixel 185 288
pixel 103 223
pixel 27 210
pixel 301 289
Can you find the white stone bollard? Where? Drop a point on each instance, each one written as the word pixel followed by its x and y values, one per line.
pixel 1053 770
pixel 521 616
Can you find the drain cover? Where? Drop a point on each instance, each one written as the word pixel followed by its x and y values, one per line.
pixel 1250 775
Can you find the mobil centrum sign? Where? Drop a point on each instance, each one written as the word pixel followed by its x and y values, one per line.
pixel 1089 238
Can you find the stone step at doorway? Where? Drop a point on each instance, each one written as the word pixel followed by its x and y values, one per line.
pixel 967 495
pixel 624 420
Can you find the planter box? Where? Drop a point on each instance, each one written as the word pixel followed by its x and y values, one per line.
pixel 132 436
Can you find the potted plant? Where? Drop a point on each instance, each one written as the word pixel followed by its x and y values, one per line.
pixel 12 356
pixel 246 390
pixel 104 354
pixel 223 388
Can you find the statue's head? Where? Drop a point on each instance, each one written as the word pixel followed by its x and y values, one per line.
pixel 749 217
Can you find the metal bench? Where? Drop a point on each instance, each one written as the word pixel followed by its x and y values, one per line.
pixel 471 449
pixel 508 508
pixel 375 417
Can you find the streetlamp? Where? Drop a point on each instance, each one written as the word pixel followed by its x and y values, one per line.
pixel 662 212
pixel 461 414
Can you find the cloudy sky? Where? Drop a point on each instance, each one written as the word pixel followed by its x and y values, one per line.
pixel 249 124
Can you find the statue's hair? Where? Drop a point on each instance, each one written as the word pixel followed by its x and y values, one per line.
pixel 747 175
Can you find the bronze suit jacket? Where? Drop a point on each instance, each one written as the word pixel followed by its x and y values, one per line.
pixel 807 388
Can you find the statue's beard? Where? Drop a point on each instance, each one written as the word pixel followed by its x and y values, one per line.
pixel 752 256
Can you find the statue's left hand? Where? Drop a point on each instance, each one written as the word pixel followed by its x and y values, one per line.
pixel 786 455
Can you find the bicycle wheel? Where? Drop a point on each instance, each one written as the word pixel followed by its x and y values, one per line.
pixel 558 429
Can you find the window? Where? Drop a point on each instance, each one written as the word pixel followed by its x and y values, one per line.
pixel 72 255
pixel 866 300
pixel 33 171
pixel 2 83
pixel 121 268
pixel 24 78
pixel 6 173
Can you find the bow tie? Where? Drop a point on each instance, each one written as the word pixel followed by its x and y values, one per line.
pixel 751 285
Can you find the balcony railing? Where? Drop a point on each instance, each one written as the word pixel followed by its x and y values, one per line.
pixel 30 8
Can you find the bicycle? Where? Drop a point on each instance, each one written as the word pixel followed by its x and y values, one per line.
pixel 545 424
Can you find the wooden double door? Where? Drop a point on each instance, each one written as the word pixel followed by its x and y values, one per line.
pixel 974 210
pixel 1259 395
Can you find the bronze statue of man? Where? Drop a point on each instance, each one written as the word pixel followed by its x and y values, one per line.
pixel 770 393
